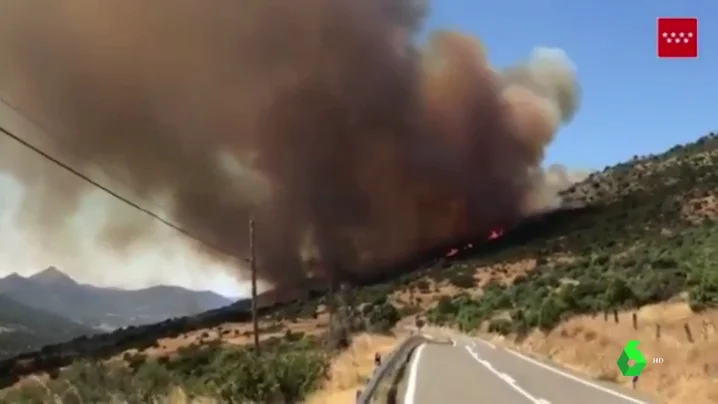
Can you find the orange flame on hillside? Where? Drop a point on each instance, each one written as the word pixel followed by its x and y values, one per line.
pixel 496 233
pixel 493 235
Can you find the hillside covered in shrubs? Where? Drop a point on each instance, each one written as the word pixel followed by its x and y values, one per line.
pixel 284 371
pixel 649 236
pixel 633 234
pixel 26 328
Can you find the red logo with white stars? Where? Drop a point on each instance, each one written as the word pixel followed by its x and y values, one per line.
pixel 677 37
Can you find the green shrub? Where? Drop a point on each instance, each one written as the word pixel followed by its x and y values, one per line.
pixel 382 318
pixel 286 371
pixel 500 326
pixel 703 293
pixel 550 313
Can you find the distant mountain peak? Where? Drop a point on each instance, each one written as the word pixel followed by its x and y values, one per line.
pixel 51 276
pixel 54 291
pixel 12 277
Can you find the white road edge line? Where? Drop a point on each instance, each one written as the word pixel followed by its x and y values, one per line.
pixel 576 379
pixel 490 345
pixel 413 371
pixel 506 378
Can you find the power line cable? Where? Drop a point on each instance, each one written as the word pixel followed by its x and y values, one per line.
pixel 112 193
pixel 42 129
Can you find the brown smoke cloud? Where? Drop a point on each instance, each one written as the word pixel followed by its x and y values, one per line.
pixel 317 117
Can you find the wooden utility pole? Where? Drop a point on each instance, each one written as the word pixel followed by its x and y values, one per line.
pixel 253 266
pixel 338 331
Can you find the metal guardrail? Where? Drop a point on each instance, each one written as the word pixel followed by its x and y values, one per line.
pixel 396 358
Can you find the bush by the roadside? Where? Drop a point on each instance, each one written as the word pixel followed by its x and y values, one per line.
pixel 286 372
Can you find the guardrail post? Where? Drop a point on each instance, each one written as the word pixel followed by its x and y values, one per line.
pixel 384 368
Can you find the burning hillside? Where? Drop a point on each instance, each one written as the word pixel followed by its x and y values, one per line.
pixel 320 118
pixel 496 233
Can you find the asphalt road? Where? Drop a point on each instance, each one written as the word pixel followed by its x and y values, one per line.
pixel 472 371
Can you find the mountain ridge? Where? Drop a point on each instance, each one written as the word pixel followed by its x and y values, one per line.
pixel 54 291
pixel 24 328
pixel 52 276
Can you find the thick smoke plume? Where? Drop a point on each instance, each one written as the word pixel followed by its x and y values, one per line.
pixel 317 117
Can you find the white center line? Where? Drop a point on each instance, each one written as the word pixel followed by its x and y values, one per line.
pixel 506 378
pixel 413 372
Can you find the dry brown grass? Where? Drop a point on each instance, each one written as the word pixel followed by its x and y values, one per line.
pixel 699 209
pixel 352 368
pixel 591 345
pixel 504 273
pixel 227 333
pixel 232 333
pixel 427 299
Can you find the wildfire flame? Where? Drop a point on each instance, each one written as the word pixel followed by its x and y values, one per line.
pixel 493 235
pixel 496 233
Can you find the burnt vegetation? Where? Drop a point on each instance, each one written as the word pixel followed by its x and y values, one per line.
pixel 633 234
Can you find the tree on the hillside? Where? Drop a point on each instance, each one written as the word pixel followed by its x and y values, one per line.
pixel 704 293
pixel 618 293
pixel 339 336
pixel 549 313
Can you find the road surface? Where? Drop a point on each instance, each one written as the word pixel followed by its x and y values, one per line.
pixel 473 371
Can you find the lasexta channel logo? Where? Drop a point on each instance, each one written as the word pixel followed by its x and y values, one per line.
pixel 631 354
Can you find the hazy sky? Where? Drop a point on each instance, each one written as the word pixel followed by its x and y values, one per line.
pixel 633 103
pixel 167 262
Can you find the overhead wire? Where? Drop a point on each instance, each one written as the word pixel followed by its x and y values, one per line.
pixel 7 132
pixel 44 132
